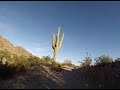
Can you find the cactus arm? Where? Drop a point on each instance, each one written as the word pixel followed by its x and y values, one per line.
pixel 57 38
pixel 58 34
pixel 60 44
pixel 53 44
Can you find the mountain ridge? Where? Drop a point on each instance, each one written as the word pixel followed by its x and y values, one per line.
pixel 6 45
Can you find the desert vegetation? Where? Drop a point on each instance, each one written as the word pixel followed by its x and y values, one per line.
pixel 12 64
pixel 105 70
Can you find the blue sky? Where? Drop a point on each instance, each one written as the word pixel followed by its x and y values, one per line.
pixel 89 26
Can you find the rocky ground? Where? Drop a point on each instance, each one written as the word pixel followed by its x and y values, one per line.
pixel 41 77
pixel 75 80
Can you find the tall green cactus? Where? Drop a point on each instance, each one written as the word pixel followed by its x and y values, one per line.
pixel 56 44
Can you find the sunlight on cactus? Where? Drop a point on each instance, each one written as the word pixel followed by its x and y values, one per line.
pixel 56 44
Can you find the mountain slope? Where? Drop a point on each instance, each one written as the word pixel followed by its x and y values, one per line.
pixel 20 50
pixel 6 45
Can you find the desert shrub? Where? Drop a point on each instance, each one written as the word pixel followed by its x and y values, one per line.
pixel 16 64
pixel 105 71
pixel 31 61
pixel 13 65
pixel 46 60
pixel 87 62
pixel 68 63
pixel 56 67
pixel 5 68
pixel 5 54
pixel 103 59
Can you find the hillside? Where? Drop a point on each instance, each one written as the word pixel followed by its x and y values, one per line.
pixel 20 50
pixel 6 45
pixel 38 77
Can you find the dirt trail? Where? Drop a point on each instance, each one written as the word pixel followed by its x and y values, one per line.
pixel 74 80
pixel 41 77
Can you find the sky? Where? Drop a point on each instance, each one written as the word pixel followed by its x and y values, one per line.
pixel 89 26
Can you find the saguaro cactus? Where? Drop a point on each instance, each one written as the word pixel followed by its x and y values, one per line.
pixel 56 44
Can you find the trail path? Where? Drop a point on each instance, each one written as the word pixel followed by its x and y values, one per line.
pixel 42 77
pixel 74 80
